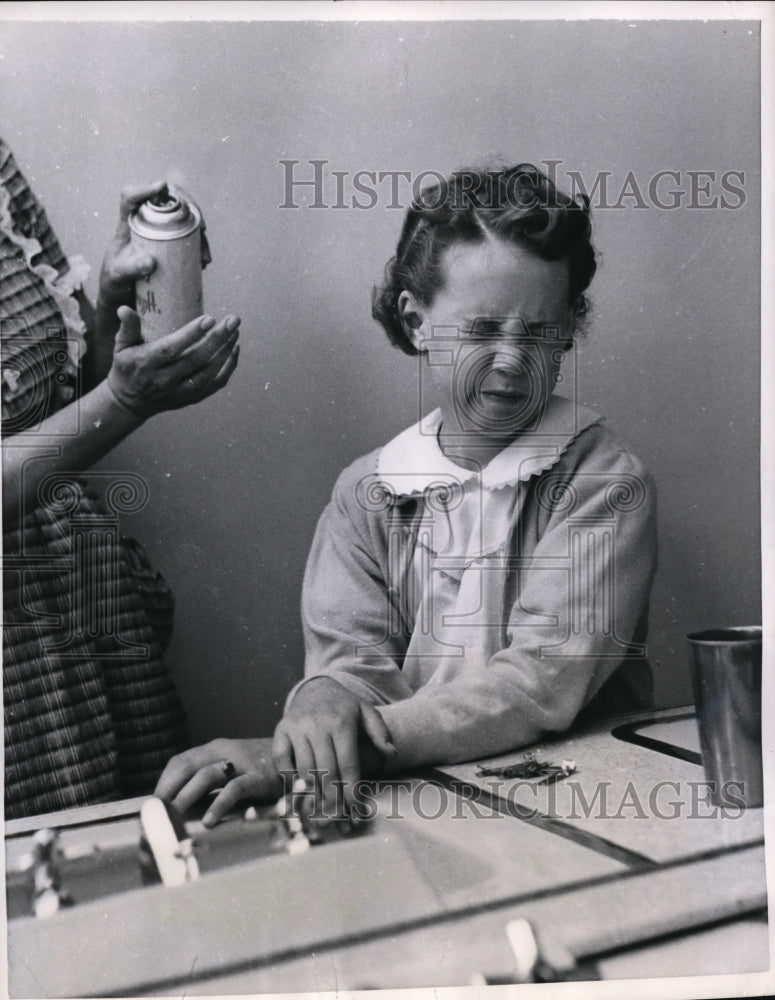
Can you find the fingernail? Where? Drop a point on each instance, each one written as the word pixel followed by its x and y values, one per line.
pixel 207 323
pixel 208 819
pixel 232 323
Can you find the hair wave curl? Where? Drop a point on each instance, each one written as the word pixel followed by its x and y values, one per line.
pixel 519 204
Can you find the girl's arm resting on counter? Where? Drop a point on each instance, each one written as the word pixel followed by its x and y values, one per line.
pixel 350 633
pixel 543 676
pixel 353 647
pixel 546 673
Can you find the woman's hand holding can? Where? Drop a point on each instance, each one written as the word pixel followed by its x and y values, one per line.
pixel 176 370
pixel 123 264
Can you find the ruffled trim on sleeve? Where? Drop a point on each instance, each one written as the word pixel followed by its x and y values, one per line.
pixel 61 288
pixel 63 292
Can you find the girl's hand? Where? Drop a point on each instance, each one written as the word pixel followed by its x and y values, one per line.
pixel 177 370
pixel 243 769
pixel 319 739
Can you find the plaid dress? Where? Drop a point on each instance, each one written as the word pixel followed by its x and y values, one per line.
pixel 91 713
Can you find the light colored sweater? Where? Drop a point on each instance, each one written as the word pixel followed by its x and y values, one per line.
pixel 477 611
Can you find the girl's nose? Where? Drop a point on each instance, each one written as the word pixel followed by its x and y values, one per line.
pixel 509 357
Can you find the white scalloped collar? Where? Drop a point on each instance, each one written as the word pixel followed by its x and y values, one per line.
pixel 413 461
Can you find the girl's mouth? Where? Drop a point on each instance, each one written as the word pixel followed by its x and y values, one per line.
pixel 507 389
pixel 507 395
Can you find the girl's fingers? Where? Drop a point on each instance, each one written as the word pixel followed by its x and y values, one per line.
pixel 206 778
pixel 348 761
pixel 306 766
pixel 282 754
pixel 239 788
pixel 180 770
pixel 377 731
pixel 329 778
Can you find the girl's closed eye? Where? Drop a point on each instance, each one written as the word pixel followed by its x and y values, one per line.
pixel 482 329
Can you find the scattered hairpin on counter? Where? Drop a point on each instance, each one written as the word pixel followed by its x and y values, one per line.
pixel 543 772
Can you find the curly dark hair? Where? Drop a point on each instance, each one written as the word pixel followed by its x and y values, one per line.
pixel 519 204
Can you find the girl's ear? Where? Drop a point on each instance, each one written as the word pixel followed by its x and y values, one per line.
pixel 574 315
pixel 410 314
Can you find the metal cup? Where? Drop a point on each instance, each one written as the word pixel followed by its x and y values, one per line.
pixel 727 679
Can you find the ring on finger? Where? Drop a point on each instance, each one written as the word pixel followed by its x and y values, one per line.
pixel 228 769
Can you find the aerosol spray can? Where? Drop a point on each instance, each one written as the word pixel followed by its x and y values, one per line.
pixel 168 227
